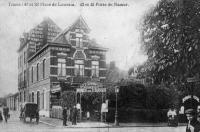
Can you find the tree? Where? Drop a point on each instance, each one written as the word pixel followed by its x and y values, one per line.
pixel 170 35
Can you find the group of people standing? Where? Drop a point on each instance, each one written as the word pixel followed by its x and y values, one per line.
pixel 5 114
pixel 69 115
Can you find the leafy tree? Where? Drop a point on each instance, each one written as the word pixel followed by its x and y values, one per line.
pixel 170 35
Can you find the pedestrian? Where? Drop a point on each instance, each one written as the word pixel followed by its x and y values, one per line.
pixel 1 117
pixel 198 116
pixel 88 115
pixel 64 116
pixel 74 115
pixel 172 116
pixel 37 115
pixel 5 113
pixel 193 125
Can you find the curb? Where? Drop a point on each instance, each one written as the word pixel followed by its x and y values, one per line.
pixel 108 126
pixel 73 126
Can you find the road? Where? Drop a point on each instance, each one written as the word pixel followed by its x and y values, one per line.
pixel 15 125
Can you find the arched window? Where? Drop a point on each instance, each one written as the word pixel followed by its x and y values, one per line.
pixel 37 71
pixel 44 62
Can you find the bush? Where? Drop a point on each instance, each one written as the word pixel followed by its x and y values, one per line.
pixel 137 103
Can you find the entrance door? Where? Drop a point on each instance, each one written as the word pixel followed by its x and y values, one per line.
pixel 91 102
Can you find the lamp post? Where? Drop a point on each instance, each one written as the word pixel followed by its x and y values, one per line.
pixel 116 111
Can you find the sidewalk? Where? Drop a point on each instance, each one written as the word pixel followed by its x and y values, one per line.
pixel 58 123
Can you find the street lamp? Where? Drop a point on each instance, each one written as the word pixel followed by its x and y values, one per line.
pixel 116 112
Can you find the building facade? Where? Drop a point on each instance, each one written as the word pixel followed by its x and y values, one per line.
pixel 52 60
pixel 12 101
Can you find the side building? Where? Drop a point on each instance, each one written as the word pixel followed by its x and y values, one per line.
pixel 53 56
pixel 12 101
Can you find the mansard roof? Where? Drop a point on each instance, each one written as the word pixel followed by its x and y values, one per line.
pixel 40 30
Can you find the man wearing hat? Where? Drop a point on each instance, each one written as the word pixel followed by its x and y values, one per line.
pixel 193 125
pixel 191 114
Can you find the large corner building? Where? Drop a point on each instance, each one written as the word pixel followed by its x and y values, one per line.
pixel 49 55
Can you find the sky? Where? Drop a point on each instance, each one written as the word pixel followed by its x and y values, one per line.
pixel 115 28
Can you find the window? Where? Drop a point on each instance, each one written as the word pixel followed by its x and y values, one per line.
pixel 20 96
pixel 37 72
pixel 18 62
pixel 32 96
pixel 44 62
pixel 79 67
pixel 24 96
pixel 38 99
pixel 24 57
pixel 61 67
pixel 24 76
pixel 79 38
pixel 42 96
pixel 79 42
pixel 32 74
pixel 95 68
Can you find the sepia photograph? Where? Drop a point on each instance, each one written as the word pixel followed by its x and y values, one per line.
pixel 99 65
